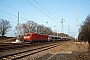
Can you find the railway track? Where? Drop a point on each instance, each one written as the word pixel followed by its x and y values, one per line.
pixel 23 54
pixel 9 46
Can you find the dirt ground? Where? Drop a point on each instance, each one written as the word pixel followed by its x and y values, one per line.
pixel 74 51
pixel 6 39
pixel 77 46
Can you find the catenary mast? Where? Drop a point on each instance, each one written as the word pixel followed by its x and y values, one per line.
pixel 76 23
pixel 62 29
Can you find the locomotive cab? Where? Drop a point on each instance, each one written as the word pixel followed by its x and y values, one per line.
pixel 27 37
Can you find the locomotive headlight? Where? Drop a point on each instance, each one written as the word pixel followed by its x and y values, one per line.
pixel 28 37
pixel 24 37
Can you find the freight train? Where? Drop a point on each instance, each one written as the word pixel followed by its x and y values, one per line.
pixel 35 37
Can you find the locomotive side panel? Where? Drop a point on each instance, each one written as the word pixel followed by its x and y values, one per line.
pixel 35 37
pixel 39 37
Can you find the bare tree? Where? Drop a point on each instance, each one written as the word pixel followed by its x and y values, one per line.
pixel 4 26
pixel 24 28
pixel 85 30
pixel 43 29
pixel 39 28
pixel 19 30
pixel 31 26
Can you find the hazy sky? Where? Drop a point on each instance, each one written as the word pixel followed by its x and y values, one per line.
pixel 42 11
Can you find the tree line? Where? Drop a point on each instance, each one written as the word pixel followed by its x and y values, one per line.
pixel 29 26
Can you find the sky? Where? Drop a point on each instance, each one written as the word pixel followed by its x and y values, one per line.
pixel 43 11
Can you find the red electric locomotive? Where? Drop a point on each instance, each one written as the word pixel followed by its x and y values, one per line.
pixel 33 37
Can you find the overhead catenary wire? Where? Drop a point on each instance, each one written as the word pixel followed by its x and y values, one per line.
pixel 14 9
pixel 41 11
pixel 8 18
pixel 12 14
pixel 21 12
pixel 44 9
pixel 51 15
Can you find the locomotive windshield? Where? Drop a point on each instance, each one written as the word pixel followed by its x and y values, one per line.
pixel 26 34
